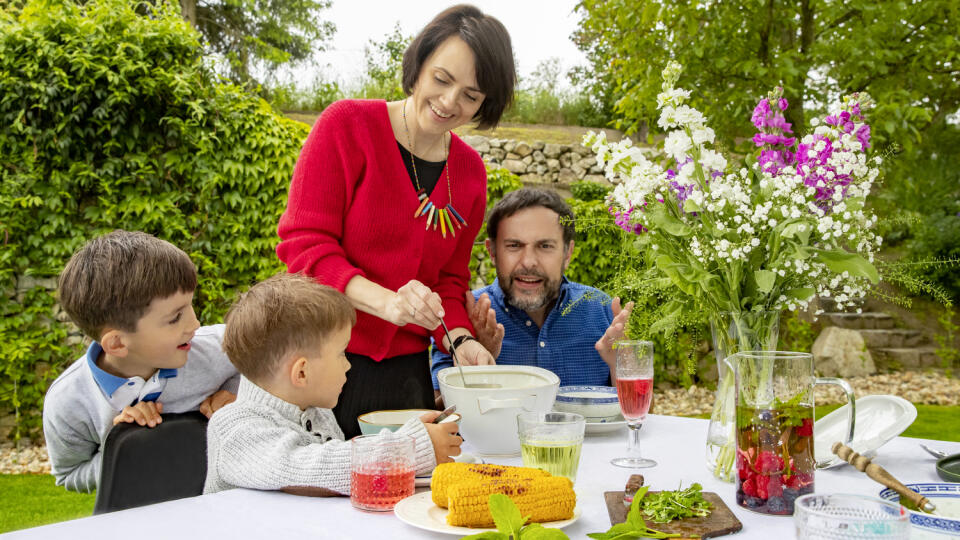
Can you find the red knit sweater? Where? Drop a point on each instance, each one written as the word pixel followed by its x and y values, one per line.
pixel 350 212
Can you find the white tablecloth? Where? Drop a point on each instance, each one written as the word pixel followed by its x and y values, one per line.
pixel 676 443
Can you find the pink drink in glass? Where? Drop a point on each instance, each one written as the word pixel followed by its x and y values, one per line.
pixel 635 396
pixel 381 489
pixel 382 469
pixel 634 378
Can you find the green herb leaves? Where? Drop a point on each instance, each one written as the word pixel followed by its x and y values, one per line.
pixel 635 526
pixel 669 505
pixel 510 526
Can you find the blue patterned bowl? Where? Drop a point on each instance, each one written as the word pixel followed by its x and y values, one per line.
pixel 925 526
pixel 595 403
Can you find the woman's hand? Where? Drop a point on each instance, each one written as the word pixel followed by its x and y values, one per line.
pixel 472 353
pixel 414 303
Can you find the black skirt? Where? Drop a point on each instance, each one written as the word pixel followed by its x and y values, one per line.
pixel 399 382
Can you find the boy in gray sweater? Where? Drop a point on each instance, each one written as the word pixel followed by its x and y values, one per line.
pixel 132 294
pixel 287 336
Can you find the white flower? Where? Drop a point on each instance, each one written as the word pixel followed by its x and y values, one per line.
pixel 713 161
pixel 688 116
pixel 668 118
pixel 702 135
pixel 676 145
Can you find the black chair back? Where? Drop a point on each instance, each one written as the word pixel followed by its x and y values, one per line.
pixel 144 465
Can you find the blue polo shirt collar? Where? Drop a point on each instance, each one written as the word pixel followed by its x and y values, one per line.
pixel 109 382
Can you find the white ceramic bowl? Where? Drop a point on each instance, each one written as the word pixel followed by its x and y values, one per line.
pixel 489 415
pixel 594 403
pixel 946 496
pixel 372 422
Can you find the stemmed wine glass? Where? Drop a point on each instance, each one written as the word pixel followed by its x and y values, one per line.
pixel 635 390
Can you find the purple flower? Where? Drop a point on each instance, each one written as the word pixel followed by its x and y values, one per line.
pixel 622 219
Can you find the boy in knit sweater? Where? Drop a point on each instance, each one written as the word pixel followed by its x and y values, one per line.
pixel 132 294
pixel 287 336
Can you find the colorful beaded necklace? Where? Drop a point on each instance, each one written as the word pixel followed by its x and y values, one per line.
pixel 446 217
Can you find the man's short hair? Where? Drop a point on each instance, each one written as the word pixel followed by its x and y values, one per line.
pixel 282 315
pixel 523 198
pixel 490 43
pixel 111 281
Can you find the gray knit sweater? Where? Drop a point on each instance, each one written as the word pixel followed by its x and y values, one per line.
pixel 263 442
pixel 77 416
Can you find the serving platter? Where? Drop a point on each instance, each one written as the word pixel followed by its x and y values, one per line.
pixel 879 419
pixel 419 511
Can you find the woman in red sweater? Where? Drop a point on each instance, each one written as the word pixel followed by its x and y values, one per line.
pixel 386 202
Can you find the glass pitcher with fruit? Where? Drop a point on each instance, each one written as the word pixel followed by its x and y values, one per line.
pixel 774 396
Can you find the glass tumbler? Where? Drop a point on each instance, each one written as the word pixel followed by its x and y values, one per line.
pixel 849 517
pixel 382 470
pixel 551 441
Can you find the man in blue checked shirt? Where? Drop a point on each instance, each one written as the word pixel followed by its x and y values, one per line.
pixel 520 317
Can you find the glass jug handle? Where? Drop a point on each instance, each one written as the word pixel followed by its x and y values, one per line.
pixel 852 411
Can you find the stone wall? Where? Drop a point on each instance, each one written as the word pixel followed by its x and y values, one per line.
pixel 539 163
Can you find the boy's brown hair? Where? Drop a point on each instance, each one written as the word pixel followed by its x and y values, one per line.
pixel 282 315
pixel 111 281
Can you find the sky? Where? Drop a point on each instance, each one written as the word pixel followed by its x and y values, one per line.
pixel 539 30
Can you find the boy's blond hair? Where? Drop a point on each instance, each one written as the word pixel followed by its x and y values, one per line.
pixel 282 315
pixel 111 281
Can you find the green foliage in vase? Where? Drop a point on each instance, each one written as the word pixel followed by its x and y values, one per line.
pixel 147 140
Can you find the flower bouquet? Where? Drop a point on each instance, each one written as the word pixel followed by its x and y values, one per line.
pixel 740 243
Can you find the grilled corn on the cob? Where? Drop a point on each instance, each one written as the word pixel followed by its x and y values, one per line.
pixel 446 475
pixel 545 498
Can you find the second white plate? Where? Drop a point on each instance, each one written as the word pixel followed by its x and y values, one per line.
pixel 879 419
pixel 418 510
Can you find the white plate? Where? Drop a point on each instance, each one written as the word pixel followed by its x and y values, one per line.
pixel 464 457
pixel 418 510
pixel 879 419
pixel 605 427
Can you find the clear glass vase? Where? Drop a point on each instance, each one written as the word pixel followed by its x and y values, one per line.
pixel 733 333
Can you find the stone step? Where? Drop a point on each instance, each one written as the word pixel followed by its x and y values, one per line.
pixel 858 321
pixel 890 338
pixel 905 358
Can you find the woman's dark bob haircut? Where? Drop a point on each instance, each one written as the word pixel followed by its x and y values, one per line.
pixel 490 43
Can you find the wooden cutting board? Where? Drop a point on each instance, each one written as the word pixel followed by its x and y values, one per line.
pixel 721 520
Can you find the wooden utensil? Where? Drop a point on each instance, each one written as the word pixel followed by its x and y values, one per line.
pixel 878 473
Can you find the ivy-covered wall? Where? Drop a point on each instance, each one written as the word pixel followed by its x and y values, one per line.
pixel 111 119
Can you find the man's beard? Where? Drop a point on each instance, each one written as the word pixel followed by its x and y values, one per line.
pixel 549 290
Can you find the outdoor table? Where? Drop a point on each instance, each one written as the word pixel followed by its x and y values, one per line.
pixel 676 443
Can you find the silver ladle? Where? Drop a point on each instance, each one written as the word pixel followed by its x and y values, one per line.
pixel 456 361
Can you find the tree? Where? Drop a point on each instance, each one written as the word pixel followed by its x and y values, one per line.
pixel 385 66
pixel 260 34
pixel 904 53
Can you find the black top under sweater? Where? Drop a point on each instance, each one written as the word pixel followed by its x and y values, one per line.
pixel 428 171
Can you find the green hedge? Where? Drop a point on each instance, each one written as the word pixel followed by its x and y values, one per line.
pixel 111 119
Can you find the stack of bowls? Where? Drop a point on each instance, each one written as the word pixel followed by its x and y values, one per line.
pixel 597 404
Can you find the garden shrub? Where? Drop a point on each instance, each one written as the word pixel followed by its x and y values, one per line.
pixel 111 119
